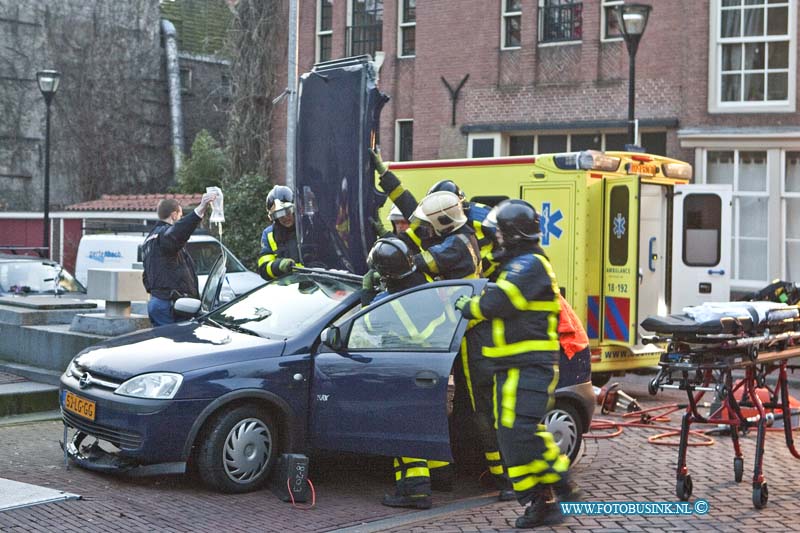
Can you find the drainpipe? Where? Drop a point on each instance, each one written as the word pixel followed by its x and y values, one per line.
pixel 174 87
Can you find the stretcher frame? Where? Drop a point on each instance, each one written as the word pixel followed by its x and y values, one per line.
pixel 705 365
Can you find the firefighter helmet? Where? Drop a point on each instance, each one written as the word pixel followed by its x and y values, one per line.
pixel 516 220
pixel 442 210
pixel 391 258
pixel 395 215
pixel 280 202
pixel 449 186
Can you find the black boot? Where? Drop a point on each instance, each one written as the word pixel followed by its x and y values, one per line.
pixel 417 501
pixel 507 493
pixel 442 478
pixel 567 491
pixel 540 512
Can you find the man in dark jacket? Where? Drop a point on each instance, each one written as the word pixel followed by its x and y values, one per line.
pixel 168 268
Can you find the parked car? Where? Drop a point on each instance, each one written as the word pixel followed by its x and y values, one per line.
pixel 28 275
pixel 294 366
pixel 123 250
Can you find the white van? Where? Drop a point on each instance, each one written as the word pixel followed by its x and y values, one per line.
pixel 122 251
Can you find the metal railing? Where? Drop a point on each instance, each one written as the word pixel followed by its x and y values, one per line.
pixel 561 23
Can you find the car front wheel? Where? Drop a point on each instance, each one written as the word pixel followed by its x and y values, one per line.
pixel 238 450
pixel 566 427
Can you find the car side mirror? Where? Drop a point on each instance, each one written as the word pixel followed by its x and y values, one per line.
pixel 332 338
pixel 187 306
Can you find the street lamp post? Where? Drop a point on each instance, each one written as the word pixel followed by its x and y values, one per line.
pixel 48 84
pixel 632 20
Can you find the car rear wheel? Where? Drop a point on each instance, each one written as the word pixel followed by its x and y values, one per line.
pixel 566 427
pixel 238 450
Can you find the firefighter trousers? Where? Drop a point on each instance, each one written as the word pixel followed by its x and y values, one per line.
pixel 412 476
pixel 522 396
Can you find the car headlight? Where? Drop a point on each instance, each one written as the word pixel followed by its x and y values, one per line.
pixel 157 386
pixel 70 369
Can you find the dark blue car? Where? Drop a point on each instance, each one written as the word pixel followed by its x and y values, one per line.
pixel 293 366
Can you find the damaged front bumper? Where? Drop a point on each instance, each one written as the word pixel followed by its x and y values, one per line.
pixel 88 452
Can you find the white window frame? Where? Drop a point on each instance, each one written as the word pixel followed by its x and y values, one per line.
pixel 504 15
pixel 540 30
pixel 496 137
pixel 715 103
pixel 603 22
pixel 322 33
pixel 785 196
pixel 401 27
pixel 397 124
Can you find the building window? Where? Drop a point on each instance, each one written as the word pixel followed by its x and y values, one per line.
pixel 365 32
pixel 560 21
pixel 186 79
pixel 791 216
pixel 753 56
pixel 511 24
pixel 484 145
pixel 404 133
pixel 521 145
pixel 611 31
pixel 324 29
pixel 746 171
pixel 407 29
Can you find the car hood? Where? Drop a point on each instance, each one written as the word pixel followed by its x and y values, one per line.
pixel 177 348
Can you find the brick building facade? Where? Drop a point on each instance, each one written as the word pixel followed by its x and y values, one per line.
pixel 716 85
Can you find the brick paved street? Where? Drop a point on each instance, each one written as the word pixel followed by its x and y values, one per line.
pixel 625 468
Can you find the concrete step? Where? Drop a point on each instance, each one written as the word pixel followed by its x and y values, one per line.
pixel 20 396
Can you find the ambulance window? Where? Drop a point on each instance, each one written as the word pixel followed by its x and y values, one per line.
pixel 618 225
pixel 702 217
pixel 552 144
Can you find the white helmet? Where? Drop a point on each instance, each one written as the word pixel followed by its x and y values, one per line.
pixel 442 210
pixel 395 215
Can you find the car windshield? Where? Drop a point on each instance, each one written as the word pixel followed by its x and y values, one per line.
pixel 205 253
pixel 27 277
pixel 284 307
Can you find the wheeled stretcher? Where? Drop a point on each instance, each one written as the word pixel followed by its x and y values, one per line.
pixel 705 345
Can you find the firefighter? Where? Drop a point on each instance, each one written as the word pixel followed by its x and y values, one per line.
pixel 390 258
pixel 523 307
pixel 279 250
pixel 456 255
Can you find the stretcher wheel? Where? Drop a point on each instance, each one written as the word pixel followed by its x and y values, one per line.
pixel 652 387
pixel 753 353
pixel 683 488
pixel 760 496
pixel 738 469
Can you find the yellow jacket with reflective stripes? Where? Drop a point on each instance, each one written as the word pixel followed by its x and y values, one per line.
pixel 277 242
pixel 523 307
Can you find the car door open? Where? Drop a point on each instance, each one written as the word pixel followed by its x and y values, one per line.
pixel 383 390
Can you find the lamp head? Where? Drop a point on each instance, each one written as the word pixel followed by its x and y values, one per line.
pixel 48 81
pixel 632 19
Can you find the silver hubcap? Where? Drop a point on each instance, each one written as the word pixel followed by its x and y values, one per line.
pixel 563 428
pixel 247 450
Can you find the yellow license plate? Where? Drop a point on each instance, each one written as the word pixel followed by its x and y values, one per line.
pixel 79 406
pixel 642 169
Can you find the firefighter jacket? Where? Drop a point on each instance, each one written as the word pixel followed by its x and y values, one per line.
pixel 523 307
pixel 168 268
pixel 401 327
pixel 457 256
pixel 277 242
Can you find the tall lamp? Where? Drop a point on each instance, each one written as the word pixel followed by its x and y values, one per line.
pixel 632 20
pixel 48 84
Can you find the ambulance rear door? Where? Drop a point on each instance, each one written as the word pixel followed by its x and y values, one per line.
pixel 620 260
pixel 701 252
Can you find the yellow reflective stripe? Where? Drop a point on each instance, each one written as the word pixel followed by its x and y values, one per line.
pixel 270 273
pixel 476 225
pixel 551 387
pixel 430 261
pixel 420 471
pixel 534 467
pixel 498 333
pixel 413 332
pixel 475 260
pixel 465 366
pixel 450 311
pixel 437 464
pixel 525 484
pixel 492 456
pixel 398 475
pixel 428 331
pixel 414 237
pixel 518 300
pixel 562 464
pixel 271 238
pixel 549 269
pixel 396 192
pixel 520 347
pixel 496 470
pixel 494 399
pixel 510 398
pixel 266 257
pixel 475 308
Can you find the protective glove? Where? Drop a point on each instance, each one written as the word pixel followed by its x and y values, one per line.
pixel 285 265
pixel 377 225
pixel 462 302
pixel 371 280
pixel 380 166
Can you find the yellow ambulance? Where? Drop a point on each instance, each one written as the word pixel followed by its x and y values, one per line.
pixel 626 232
